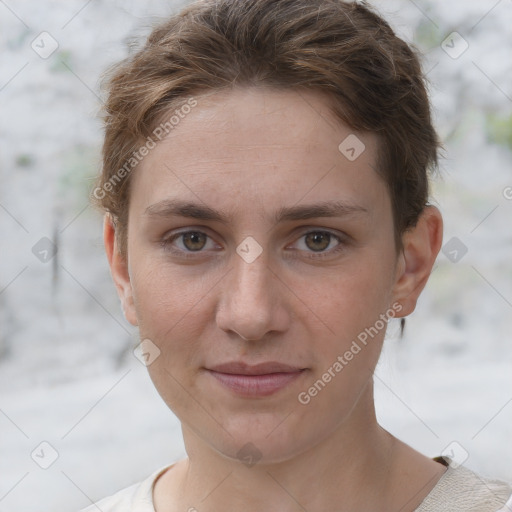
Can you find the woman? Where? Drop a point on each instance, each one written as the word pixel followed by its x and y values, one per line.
pixel 265 184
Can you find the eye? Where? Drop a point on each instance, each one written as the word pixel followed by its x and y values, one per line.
pixel 188 242
pixel 194 240
pixel 318 240
pixel 319 243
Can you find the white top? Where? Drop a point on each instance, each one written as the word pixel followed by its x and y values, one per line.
pixel 458 490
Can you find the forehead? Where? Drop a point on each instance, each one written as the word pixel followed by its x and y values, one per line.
pixel 257 149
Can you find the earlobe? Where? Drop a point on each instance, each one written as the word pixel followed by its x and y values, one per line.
pixel 421 245
pixel 119 270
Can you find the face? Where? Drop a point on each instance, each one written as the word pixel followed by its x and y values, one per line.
pixel 261 264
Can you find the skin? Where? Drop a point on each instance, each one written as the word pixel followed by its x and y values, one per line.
pixel 246 154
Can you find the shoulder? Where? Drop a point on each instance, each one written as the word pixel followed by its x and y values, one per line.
pixel 460 489
pixel 135 498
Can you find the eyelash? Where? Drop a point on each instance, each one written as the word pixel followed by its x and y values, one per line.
pixel 166 243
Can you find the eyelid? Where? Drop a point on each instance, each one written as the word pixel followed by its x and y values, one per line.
pixel 306 230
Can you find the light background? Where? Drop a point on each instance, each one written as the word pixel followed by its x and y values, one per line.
pixel 67 373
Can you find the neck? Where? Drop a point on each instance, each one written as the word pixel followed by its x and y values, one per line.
pixel 359 466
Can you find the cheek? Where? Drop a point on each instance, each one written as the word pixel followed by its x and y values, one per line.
pixel 164 293
pixel 350 306
pixel 171 313
pixel 349 333
pixel 170 307
pixel 349 299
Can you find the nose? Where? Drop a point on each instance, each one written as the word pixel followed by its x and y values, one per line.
pixel 252 304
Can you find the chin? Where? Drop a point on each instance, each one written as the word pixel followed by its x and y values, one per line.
pixel 262 439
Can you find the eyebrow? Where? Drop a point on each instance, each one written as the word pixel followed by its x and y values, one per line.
pixel 174 207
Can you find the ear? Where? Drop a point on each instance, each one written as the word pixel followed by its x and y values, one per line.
pixel 421 245
pixel 119 270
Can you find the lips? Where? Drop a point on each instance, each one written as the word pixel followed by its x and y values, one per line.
pixel 259 380
pixel 240 368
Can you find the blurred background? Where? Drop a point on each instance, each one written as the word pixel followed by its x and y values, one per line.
pixel 79 417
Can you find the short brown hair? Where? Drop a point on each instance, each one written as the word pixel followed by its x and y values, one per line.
pixel 371 77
